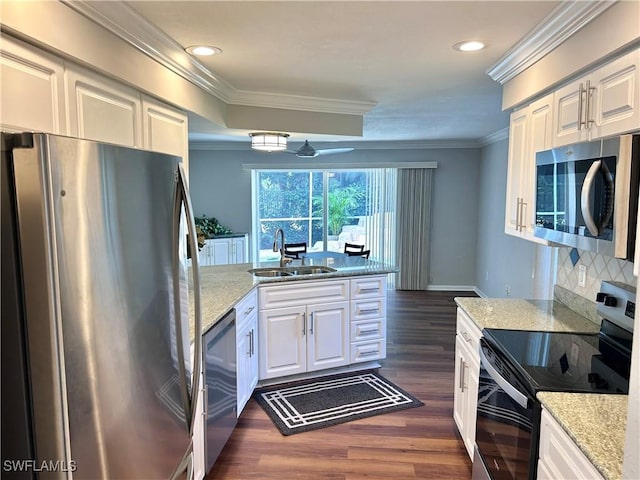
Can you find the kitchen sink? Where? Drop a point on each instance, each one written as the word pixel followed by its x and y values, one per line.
pixel 290 271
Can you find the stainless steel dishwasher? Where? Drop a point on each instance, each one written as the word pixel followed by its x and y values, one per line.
pixel 220 379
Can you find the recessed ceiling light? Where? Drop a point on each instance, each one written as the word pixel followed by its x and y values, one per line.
pixel 469 46
pixel 203 50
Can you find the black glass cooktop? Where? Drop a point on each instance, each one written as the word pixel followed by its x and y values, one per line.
pixel 572 362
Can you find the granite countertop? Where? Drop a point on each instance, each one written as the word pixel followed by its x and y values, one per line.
pixel 596 423
pixel 522 314
pixel 222 286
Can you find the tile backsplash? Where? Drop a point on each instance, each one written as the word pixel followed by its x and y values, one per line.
pixel 598 268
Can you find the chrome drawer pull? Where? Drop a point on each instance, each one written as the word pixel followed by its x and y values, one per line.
pixel 369 310
pixel 370 289
pixel 248 311
pixel 466 336
pixel 373 331
pixel 370 354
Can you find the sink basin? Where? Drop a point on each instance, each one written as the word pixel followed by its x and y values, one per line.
pixel 269 272
pixel 310 270
pixel 290 271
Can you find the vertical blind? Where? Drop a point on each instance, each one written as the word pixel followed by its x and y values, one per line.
pixel 415 187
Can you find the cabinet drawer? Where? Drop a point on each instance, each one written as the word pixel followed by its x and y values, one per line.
pixel 368 329
pixel 303 293
pixel 367 309
pixel 368 350
pixel 368 287
pixel 467 329
pixel 246 307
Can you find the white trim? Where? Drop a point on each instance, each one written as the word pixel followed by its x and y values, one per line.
pixel 495 137
pixel 563 22
pixel 126 23
pixel 324 165
pixel 452 288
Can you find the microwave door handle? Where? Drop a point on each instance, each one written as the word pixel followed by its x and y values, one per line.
pixel 584 198
pixel 509 389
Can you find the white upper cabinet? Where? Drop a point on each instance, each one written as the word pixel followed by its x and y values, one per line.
pixel 102 110
pixel 603 103
pixel 529 132
pixel 32 89
pixel 165 129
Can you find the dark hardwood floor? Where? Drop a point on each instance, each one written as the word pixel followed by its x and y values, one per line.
pixel 420 443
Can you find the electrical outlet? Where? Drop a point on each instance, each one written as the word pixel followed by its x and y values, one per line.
pixel 582 276
pixel 486 276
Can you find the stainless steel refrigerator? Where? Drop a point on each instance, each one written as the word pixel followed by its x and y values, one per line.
pixel 96 364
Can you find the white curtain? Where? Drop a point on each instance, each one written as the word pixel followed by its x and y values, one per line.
pixel 413 228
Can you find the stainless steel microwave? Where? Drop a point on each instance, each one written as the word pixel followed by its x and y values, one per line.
pixel 587 195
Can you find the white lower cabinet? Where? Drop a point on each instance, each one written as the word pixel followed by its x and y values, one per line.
pixel 467 371
pixel 368 308
pixel 559 456
pixel 247 347
pixel 223 251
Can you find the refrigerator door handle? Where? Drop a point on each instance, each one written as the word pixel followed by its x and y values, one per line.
pixel 189 398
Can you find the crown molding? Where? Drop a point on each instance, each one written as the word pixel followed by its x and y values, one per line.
pixel 495 137
pixel 564 21
pixel 127 24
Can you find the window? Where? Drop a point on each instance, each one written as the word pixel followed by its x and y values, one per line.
pixel 325 209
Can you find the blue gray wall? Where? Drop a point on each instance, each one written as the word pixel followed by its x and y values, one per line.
pixel 222 189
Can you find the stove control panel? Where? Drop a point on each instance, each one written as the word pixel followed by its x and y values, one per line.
pixel 617 303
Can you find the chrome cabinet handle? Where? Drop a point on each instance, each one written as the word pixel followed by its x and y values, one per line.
pixel 370 354
pixel 372 331
pixel 466 336
pixel 248 311
pixel 304 324
pixel 311 324
pixel 581 91
pixel 461 375
pixel 251 343
pixel 370 289
pixel 523 215
pixel 518 200
pixel 588 94
pixel 369 310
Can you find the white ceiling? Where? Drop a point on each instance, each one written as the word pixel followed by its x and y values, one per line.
pixel 392 58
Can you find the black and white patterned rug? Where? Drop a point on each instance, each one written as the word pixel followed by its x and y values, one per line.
pixel 322 402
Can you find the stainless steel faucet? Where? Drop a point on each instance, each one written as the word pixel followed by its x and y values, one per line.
pixel 283 260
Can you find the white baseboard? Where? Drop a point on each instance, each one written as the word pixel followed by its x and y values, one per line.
pixel 452 288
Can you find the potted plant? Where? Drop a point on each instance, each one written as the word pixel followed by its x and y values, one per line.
pixel 210 227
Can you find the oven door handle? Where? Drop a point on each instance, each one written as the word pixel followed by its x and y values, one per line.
pixel 509 389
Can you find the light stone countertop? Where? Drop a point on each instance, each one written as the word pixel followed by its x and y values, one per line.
pixel 522 314
pixel 222 286
pixel 596 423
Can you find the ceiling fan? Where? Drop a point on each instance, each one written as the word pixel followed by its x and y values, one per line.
pixel 307 151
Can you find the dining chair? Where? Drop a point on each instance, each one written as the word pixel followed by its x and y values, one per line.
pixel 352 247
pixel 293 250
pixel 364 253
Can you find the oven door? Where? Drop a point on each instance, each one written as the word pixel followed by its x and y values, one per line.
pixel 508 422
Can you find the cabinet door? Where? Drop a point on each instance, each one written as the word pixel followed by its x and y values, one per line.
pixel 283 342
pixel 32 89
pixel 327 336
pixel 615 107
pixel 539 135
pixel 165 130
pixel 247 361
pixel 220 251
pixel 238 246
pixel 517 160
pixel 102 110
pixel 569 111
